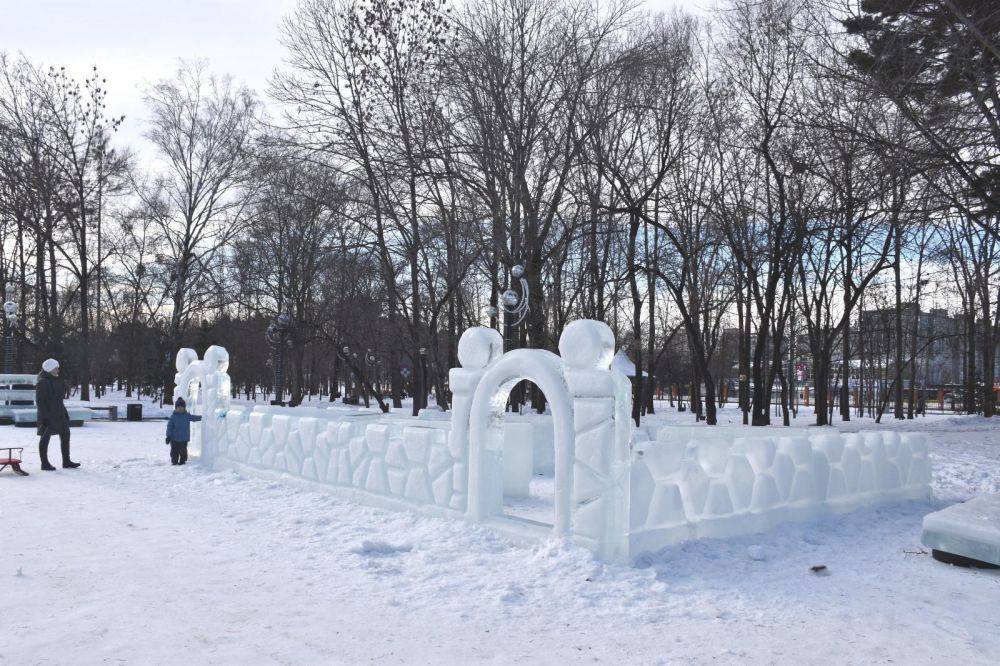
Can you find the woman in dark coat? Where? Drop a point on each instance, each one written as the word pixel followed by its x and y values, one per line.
pixel 53 419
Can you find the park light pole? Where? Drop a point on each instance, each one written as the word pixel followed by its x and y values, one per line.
pixel 10 315
pixel 371 367
pixel 353 370
pixel 423 378
pixel 346 352
pixel 275 334
pixel 515 307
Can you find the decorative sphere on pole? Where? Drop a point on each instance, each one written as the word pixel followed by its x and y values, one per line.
pixel 514 304
pixel 10 312
pixel 10 306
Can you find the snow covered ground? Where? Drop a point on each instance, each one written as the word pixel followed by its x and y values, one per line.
pixel 132 560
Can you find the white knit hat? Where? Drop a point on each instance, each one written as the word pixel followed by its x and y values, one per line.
pixel 50 364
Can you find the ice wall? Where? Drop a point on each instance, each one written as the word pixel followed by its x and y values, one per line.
pixel 708 483
pixel 384 462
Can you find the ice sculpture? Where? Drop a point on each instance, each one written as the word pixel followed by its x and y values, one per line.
pixel 969 530
pixel 720 482
pixel 613 496
pixel 206 387
pixel 590 407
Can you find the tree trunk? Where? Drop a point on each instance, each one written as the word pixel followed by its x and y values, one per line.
pixel 897 333
pixel 633 283
pixel 970 355
pixel 821 377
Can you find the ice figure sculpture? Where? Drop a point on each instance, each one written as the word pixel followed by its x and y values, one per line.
pixel 205 386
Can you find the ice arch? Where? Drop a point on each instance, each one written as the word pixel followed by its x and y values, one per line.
pixel 546 370
pixel 590 406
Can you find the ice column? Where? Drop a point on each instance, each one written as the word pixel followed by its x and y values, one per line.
pixel 478 348
pixel 602 428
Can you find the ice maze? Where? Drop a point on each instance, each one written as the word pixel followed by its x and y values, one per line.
pixel 613 494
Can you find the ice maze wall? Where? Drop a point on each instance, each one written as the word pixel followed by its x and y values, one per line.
pixel 614 494
pixel 697 486
pixel 404 464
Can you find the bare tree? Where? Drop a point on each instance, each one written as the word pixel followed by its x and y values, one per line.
pixel 201 125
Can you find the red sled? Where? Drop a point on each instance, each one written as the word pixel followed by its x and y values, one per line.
pixel 11 460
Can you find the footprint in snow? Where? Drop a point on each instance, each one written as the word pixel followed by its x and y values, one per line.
pixel 512 595
pixel 381 549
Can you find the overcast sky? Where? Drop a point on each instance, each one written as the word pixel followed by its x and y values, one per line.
pixel 135 42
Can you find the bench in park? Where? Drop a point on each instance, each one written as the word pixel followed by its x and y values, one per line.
pixel 28 417
pixel 17 403
pixel 112 410
pixel 15 391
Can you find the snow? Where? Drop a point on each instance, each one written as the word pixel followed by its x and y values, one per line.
pixel 132 559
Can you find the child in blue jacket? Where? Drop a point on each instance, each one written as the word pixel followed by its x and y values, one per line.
pixel 179 432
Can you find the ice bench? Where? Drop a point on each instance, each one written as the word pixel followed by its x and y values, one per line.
pixel 16 391
pixel 17 403
pixel 969 530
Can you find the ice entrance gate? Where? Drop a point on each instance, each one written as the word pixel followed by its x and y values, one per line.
pixel 590 407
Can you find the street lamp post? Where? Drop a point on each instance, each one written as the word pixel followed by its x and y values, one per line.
pixel 515 308
pixel 276 332
pixel 10 314
pixel 423 378
pixel 371 368
pixel 346 353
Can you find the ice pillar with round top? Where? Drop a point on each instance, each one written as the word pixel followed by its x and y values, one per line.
pixel 602 429
pixel 477 348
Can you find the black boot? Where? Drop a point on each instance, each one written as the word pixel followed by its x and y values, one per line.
pixel 43 453
pixel 67 463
